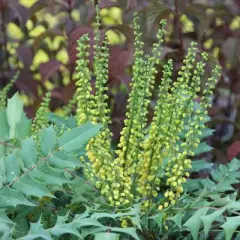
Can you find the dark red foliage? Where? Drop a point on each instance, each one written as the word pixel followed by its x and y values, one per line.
pixel 233 150
pixel 48 69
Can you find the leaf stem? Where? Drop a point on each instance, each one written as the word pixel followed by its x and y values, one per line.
pixel 7 145
pixel 30 169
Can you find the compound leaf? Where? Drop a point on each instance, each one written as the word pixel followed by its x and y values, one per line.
pixel 210 218
pixel 11 198
pixel 32 187
pixel 29 152
pixel 14 112
pixel 48 140
pixel 106 236
pixel 194 223
pixel 78 137
pixel 230 226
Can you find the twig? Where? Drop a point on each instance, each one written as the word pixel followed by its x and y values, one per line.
pixel 75 175
pixel 7 145
pixel 30 169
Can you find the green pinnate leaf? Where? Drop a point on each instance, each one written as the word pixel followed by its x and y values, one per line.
pixel 177 219
pixel 5 231
pixel 29 153
pixel 82 191
pixel 63 160
pixel 192 185
pixel 23 127
pixel 202 148
pixel 130 231
pixel 230 226
pixel 14 112
pixel 158 218
pixel 233 206
pixel 12 167
pixel 194 223
pixel 107 236
pixel 63 228
pixel 60 121
pixel 4 218
pixel 217 175
pixel 226 184
pixel 198 165
pixel 48 140
pixel 49 175
pixel 220 201
pixel 11 198
pixel 210 218
pixel 234 165
pixel 37 231
pixel 78 137
pixel 32 187
pixel 4 130
pixel 2 173
pixel 207 132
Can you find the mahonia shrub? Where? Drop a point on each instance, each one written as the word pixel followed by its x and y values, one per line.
pixel 60 178
pixel 149 160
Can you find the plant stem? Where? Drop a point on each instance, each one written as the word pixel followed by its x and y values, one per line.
pixel 7 145
pixel 30 169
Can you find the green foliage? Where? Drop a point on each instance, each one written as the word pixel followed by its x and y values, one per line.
pixel 208 208
pixel 220 179
pixel 36 168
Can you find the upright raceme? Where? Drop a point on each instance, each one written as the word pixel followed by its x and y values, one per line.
pixel 150 160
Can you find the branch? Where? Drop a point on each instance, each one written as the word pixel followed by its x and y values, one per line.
pixel 7 145
pixel 30 169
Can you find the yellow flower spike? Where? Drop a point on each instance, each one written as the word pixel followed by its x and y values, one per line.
pixel 40 121
pixel 135 173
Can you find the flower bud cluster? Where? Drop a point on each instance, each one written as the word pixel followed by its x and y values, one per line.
pixel 93 107
pixel 133 134
pixel 41 121
pixel 150 159
pixel 180 163
pixel 146 158
pixel 85 101
pixel 67 109
pixel 4 91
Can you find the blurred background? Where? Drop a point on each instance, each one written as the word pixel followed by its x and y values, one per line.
pixel 38 37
